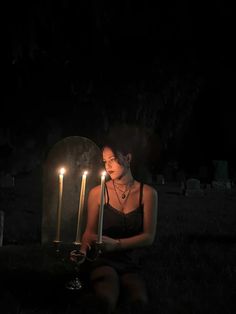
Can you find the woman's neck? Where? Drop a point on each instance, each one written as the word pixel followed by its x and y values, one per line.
pixel 126 179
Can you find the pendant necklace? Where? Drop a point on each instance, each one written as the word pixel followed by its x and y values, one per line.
pixel 124 196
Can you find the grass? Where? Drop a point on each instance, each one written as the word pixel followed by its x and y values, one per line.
pixel 189 269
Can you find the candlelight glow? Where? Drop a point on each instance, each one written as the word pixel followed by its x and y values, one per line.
pixel 62 171
pixel 102 199
pixel 78 238
pixel 59 207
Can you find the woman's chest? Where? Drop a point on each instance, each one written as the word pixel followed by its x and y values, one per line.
pixel 116 223
pixel 124 203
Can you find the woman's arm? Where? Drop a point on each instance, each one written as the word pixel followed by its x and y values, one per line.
pixel 150 204
pixel 90 233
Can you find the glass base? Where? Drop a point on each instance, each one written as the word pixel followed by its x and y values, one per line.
pixel 74 284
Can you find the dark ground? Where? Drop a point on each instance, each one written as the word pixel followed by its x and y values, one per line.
pixel 80 54
pixel 189 269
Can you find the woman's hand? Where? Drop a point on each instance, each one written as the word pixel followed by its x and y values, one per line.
pixel 77 256
pixel 109 244
pixel 87 242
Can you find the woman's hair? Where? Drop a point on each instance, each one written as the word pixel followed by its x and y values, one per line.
pixel 117 148
pixel 129 139
pixel 120 140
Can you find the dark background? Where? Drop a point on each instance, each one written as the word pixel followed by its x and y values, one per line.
pixel 166 71
pixel 79 68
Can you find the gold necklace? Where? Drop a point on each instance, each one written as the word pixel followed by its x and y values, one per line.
pixel 123 192
pixel 127 189
pixel 123 198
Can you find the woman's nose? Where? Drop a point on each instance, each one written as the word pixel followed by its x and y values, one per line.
pixel 108 167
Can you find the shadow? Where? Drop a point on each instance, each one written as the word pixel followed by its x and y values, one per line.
pixel 174 193
pixel 204 238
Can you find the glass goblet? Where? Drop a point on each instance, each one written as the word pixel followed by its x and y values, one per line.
pixel 79 258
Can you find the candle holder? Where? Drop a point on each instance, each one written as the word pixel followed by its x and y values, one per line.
pixel 76 284
pixel 94 252
pixel 57 247
pixel 91 256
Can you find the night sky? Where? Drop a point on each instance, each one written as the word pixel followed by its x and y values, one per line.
pixel 77 65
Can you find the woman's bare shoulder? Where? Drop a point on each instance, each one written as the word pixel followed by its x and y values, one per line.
pixel 95 190
pixel 149 190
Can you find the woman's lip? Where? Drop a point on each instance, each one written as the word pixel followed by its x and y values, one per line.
pixel 110 172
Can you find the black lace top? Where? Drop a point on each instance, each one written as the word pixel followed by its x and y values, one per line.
pixel 118 225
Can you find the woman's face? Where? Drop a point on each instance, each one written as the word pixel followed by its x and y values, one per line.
pixel 115 166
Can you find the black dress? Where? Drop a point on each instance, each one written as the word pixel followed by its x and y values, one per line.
pixel 118 225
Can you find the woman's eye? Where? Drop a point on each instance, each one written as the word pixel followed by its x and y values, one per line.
pixel 110 161
pixel 114 159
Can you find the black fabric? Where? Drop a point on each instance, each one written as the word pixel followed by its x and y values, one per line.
pixel 118 225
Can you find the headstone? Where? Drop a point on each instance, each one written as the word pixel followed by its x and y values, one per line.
pixel 180 176
pixel 168 173
pixel 193 188
pixel 6 180
pixel 221 185
pixel 76 154
pixel 182 187
pixel 221 170
pixel 160 179
pixel 1 226
pixel 203 173
pixel 221 180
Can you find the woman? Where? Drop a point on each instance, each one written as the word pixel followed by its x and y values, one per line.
pixel 130 215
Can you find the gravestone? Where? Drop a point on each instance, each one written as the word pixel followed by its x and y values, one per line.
pixel 76 154
pixel 1 226
pixel 203 173
pixel 160 179
pixel 6 181
pixel 193 188
pixel 180 176
pixel 221 185
pixel 221 180
pixel 220 170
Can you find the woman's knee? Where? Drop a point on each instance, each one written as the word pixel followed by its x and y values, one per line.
pixel 104 274
pixel 105 282
pixel 139 304
pixel 135 291
pixel 106 302
pixel 140 299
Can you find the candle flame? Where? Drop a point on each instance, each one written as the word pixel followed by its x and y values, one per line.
pixel 62 171
pixel 85 173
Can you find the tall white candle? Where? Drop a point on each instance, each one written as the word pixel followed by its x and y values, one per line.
pixel 81 208
pixel 58 227
pixel 102 197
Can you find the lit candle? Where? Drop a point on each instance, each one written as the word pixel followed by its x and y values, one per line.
pixel 81 208
pixel 61 173
pixel 100 218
